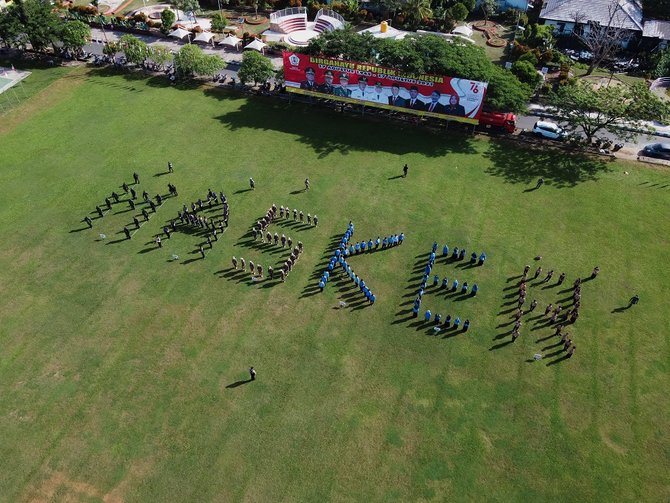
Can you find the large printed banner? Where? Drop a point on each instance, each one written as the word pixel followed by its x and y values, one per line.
pixel 376 86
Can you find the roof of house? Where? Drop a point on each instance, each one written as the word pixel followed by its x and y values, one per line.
pixel 654 28
pixel 628 14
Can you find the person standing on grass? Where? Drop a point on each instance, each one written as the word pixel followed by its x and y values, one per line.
pixel 595 272
pixel 252 374
pixel 540 183
pixel 306 184
pixel 136 178
pixel 88 221
pixel 126 232
pixel 170 168
pixel 538 271
pixel 405 169
pixel 252 184
pixel 633 300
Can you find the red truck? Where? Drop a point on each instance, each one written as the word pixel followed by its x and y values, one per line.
pixel 505 121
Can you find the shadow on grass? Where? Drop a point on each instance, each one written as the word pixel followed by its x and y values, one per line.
pixel 238 383
pixel 559 168
pixel 322 129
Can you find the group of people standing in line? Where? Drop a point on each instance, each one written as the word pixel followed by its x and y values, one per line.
pixel 555 315
pixel 370 244
pixel 257 269
pixel 133 197
pixel 193 219
pixel 428 315
pixel 339 258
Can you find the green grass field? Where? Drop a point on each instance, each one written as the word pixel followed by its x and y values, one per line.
pixel 116 362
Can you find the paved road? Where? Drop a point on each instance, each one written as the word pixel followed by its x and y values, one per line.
pixel 629 150
pixel 229 55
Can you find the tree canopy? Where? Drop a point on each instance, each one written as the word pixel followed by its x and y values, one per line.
pixel 428 54
pixel 33 18
pixel 74 35
pixel 255 67
pixel 135 50
pixel 191 60
pixel 168 17
pixel 590 110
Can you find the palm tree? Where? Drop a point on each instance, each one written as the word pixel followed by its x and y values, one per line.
pixel 416 10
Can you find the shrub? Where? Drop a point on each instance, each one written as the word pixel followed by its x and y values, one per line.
pixel 530 57
pixel 219 22
pixel 168 17
pixel 526 72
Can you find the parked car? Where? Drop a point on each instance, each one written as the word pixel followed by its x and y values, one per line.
pixel 657 150
pixel 549 130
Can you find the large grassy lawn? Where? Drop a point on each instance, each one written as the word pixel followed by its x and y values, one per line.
pixel 116 362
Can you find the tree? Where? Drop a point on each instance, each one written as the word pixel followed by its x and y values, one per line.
pixel 345 43
pixel 663 66
pixel 388 8
pixel 10 26
pixel 255 67
pixel 416 10
pixel 168 18
pixel 74 35
pixel 185 6
pixel 526 72
pixel 134 49
pixel 469 4
pixel 458 12
pixel 209 64
pixel 219 22
pixel 603 40
pixel 160 54
pixel 40 24
pixel 506 92
pixel 489 7
pixel 177 7
pixel 606 108
pixel 192 60
pixel 537 35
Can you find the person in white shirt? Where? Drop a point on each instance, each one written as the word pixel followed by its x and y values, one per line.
pixel 361 93
pixel 378 95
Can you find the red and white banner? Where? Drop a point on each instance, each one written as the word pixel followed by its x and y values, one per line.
pixel 372 85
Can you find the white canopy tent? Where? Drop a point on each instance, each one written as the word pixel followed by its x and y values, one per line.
pixel 205 37
pixel 231 41
pixel 180 33
pixel 256 45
